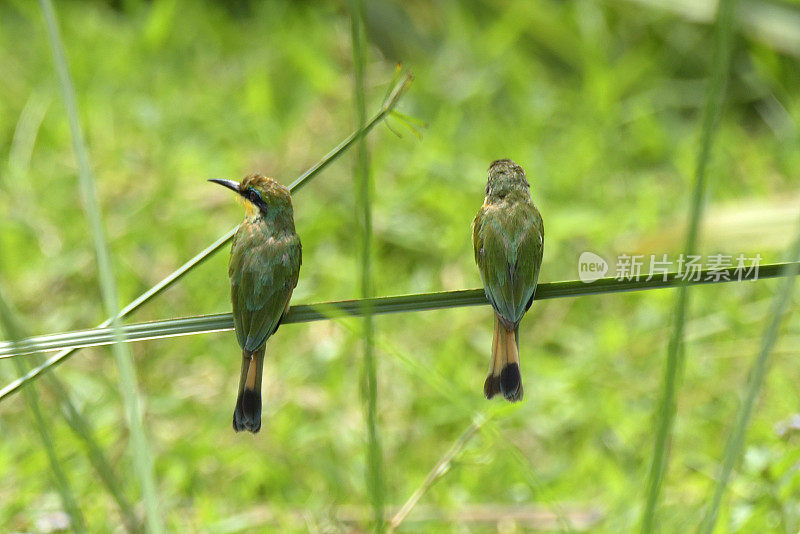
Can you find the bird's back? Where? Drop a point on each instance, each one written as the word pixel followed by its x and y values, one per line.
pixel 508 237
pixel 264 268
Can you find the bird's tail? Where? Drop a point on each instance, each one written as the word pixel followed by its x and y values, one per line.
pixel 247 415
pixel 504 376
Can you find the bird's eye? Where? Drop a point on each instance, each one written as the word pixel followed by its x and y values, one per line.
pixel 253 195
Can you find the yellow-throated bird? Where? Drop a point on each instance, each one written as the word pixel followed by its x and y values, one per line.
pixel 508 237
pixel 264 267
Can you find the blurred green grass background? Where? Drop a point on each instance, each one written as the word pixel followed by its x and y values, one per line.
pixel 599 101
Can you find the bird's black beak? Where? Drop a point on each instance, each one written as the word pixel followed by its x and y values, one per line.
pixel 230 184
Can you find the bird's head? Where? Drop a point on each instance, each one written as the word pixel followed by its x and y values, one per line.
pixel 505 176
pixel 260 194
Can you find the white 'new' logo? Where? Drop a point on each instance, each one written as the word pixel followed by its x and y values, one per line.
pixel 591 267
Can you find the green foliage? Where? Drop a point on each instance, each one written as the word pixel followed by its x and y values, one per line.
pixel 599 102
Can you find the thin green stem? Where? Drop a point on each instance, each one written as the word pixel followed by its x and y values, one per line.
pixel 438 470
pixel 735 443
pixel 369 377
pixel 393 98
pixel 396 92
pixel 83 429
pixel 140 447
pixel 304 313
pixel 667 403
pixel 14 331
pixel 43 428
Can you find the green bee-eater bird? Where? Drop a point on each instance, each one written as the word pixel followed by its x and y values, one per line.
pixel 508 237
pixel 264 267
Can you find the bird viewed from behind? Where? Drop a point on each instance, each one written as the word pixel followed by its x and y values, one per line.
pixel 508 238
pixel 264 268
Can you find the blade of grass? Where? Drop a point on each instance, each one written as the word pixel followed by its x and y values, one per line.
pixel 304 313
pixel 140 447
pixel 369 376
pixel 438 470
pixel 735 443
pixel 723 39
pixel 492 431
pixel 24 138
pixel 42 427
pixel 81 428
pixel 396 92
pixel 14 331
pixel 22 146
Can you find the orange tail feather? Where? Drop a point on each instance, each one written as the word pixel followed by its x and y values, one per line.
pixel 504 375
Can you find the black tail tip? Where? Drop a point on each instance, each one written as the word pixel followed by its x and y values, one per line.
pixel 491 387
pixel 247 415
pixel 509 383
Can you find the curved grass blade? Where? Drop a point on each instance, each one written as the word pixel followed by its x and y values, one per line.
pixel 667 404
pixel 438 470
pixel 303 313
pixel 140 447
pixel 81 428
pixel 14 331
pixel 77 522
pixel 735 443
pixel 395 94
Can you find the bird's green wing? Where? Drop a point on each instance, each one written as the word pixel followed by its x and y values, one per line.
pixel 263 272
pixel 509 243
pixel 529 252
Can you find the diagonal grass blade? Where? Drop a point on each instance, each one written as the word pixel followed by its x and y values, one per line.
pixel 14 331
pixel 438 471
pixel 667 405
pixel 97 457
pixel 735 443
